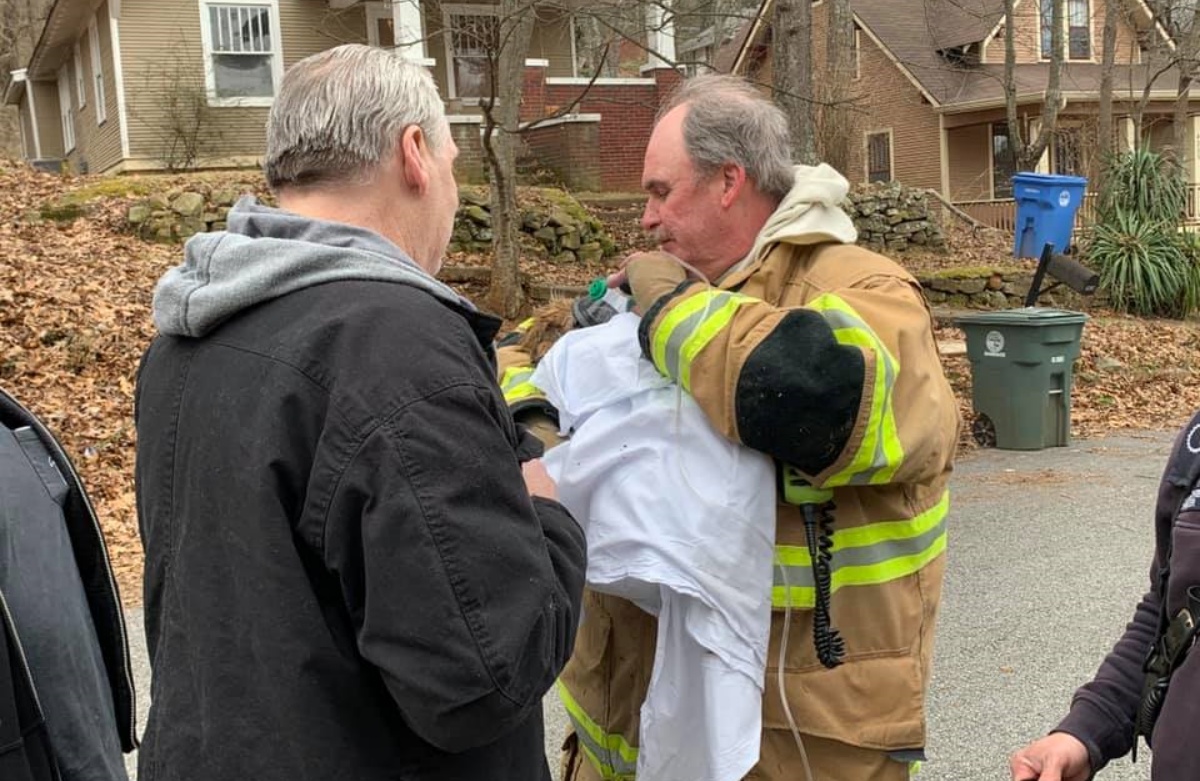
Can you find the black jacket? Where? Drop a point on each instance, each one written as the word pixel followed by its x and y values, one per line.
pixel 1103 710
pixel 345 575
pixel 66 686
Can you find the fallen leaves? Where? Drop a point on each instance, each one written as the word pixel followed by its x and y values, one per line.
pixel 75 318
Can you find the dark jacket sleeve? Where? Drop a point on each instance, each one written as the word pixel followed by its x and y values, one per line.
pixel 463 591
pixel 1103 710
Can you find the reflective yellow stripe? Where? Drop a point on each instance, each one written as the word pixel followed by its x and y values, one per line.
pixel 688 327
pixel 863 555
pixel 611 755
pixel 879 453
pixel 704 334
pixel 526 324
pixel 515 384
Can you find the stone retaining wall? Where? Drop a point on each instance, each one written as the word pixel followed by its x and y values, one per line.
pixel 891 218
pixel 557 226
pixel 997 289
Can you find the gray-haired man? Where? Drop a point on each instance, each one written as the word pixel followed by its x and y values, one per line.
pixel 354 569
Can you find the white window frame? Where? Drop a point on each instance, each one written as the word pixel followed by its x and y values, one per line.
pixel 376 12
pixel 80 77
pixel 97 71
pixel 867 153
pixel 210 79
pixel 462 9
pixel 66 113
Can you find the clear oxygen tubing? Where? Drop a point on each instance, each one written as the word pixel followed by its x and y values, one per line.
pixel 787 611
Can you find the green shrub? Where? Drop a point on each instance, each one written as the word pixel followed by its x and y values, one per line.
pixel 1141 264
pixel 1146 264
pixel 1146 184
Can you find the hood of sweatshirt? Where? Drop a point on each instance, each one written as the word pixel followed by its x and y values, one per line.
pixel 811 213
pixel 266 253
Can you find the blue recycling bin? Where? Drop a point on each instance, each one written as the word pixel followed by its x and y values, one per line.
pixel 1046 206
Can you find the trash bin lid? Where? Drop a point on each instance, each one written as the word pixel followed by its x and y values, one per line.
pixel 1025 316
pixel 1049 180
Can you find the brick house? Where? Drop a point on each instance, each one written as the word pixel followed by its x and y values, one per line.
pixel 929 88
pixel 132 85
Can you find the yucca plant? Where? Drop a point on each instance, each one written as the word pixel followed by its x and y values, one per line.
pixel 1189 298
pixel 1141 263
pixel 1144 183
pixel 1145 263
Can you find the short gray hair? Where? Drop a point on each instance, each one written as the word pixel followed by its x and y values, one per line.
pixel 729 121
pixel 339 113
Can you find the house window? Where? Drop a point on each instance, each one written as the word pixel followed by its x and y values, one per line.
pixel 97 71
pixel 1078 28
pixel 1003 164
pixel 241 52
pixel 66 113
pixel 879 156
pixel 80 77
pixel 472 38
pixel 856 48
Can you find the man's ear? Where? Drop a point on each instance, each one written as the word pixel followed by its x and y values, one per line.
pixel 413 154
pixel 733 179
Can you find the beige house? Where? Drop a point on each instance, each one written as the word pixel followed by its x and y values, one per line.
pixel 127 85
pixel 929 85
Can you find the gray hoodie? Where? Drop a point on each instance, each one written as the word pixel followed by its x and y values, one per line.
pixel 266 253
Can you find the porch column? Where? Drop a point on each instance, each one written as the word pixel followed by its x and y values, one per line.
pixel 1128 139
pixel 410 32
pixel 1193 168
pixel 660 36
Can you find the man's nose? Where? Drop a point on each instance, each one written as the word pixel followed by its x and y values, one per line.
pixel 649 216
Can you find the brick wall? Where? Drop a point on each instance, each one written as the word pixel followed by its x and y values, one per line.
pixel 469 166
pixel 586 153
pixel 567 148
pixel 627 116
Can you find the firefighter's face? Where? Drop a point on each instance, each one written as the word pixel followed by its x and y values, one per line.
pixel 684 211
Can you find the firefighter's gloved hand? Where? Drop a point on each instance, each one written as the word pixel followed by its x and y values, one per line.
pixel 652 275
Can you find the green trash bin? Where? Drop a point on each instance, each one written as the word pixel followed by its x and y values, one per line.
pixel 1021 372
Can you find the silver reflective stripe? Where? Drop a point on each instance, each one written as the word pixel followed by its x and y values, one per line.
pixel 863 556
pixel 613 767
pixel 673 354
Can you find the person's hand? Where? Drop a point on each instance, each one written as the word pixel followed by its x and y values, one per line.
pixel 538 481
pixel 649 275
pixel 1056 757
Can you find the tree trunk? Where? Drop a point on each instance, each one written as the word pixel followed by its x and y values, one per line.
pixel 1188 42
pixel 1027 154
pixel 1104 146
pixel 837 115
pixel 500 140
pixel 791 55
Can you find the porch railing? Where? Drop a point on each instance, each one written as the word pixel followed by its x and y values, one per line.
pixel 1002 212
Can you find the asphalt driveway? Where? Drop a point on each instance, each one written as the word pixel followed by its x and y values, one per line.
pixel 1049 551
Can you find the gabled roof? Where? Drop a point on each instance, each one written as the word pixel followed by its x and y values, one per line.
pixel 918 34
pixel 63 23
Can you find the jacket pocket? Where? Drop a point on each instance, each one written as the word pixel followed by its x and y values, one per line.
pixel 1185 559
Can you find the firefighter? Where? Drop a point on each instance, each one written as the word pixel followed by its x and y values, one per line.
pixel 799 344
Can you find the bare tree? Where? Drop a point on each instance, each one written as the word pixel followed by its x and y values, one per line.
pixel 1026 153
pixel 836 114
pixel 501 129
pixel 1108 58
pixel 1185 30
pixel 791 62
